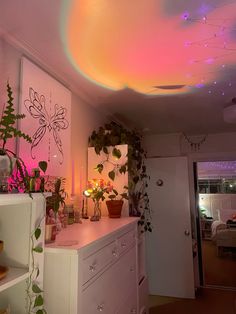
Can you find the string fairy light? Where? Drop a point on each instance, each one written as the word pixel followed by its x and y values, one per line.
pixel 195 145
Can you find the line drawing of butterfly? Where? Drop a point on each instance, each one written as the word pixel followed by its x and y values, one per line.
pixel 53 122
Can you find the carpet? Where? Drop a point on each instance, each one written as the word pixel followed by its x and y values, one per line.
pixel 208 301
pixel 219 271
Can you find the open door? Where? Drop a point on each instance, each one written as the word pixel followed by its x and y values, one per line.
pixel 169 246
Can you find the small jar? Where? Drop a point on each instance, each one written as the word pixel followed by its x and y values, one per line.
pixel 70 212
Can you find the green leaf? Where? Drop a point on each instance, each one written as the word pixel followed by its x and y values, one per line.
pixel 40 312
pixel 112 175
pixel 116 153
pixel 37 273
pixel 112 197
pixel 37 233
pixel 122 169
pixel 105 150
pixel 38 249
pixel 38 301
pixel 36 289
pixel 99 168
pixel 115 192
pixel 125 196
pixel 43 165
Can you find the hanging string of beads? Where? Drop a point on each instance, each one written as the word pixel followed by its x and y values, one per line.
pixel 195 145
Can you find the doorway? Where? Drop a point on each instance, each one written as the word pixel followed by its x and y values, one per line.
pixel 216 203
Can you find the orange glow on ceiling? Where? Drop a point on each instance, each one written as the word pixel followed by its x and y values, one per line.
pixel 140 45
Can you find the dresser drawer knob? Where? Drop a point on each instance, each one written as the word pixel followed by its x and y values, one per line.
pixel 100 308
pixel 123 244
pixel 133 311
pixel 114 253
pixel 132 270
pixel 92 268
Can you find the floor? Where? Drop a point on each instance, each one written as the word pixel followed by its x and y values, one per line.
pixel 208 301
pixel 218 271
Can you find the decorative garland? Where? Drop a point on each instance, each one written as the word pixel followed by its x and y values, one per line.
pixel 195 145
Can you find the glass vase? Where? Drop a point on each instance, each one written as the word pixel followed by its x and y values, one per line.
pixel 96 211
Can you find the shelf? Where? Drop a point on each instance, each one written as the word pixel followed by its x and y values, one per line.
pixel 14 276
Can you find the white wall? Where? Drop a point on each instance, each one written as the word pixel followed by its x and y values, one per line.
pixel 84 118
pixel 176 144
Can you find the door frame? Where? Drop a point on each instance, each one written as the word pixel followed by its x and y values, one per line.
pixel 195 158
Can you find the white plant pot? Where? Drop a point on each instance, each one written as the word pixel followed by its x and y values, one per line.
pixel 7 165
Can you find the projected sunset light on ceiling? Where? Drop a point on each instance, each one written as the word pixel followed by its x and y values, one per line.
pixel 149 48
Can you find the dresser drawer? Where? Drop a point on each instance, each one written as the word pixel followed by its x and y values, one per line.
pixel 109 291
pixel 94 263
pixel 126 240
pixel 130 305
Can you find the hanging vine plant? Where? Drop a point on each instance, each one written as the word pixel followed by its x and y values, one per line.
pixel 111 135
pixel 34 292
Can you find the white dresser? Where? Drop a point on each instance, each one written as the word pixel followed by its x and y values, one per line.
pixel 92 268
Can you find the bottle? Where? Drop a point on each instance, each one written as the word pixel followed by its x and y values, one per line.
pixel 70 212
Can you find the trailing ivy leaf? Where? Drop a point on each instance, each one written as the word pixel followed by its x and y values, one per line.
pixel 99 168
pixel 97 150
pixel 38 249
pixel 112 175
pixel 36 289
pixel 40 312
pixel 116 153
pixel 125 196
pixel 43 165
pixel 115 192
pixel 136 179
pixel 122 169
pixel 38 301
pixel 105 150
pixel 37 273
pixel 37 233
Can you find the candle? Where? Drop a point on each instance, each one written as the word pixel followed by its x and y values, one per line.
pixel 73 178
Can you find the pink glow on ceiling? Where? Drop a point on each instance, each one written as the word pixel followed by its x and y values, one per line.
pixel 118 44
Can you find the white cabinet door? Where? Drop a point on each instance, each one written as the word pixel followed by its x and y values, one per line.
pixel 169 246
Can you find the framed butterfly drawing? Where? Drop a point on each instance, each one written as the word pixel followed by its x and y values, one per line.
pixel 47 106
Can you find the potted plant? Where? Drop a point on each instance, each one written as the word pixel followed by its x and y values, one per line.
pixel 96 190
pixel 115 205
pixel 111 135
pixel 8 129
pixel 53 204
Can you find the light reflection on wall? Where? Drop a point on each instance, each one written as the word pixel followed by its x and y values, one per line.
pixel 139 45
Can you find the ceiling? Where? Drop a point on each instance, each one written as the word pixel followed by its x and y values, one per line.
pixel 162 66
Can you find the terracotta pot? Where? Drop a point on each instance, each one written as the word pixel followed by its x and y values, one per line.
pixel 114 208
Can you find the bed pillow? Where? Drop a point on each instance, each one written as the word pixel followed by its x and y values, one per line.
pixel 226 214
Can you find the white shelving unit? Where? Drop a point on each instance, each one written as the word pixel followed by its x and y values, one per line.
pixel 20 214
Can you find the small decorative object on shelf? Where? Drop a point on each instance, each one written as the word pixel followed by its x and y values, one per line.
pixel 96 190
pixel 70 211
pixel 3 269
pixel 5 311
pixel 84 212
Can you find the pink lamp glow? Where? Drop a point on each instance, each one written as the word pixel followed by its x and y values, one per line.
pixel 118 44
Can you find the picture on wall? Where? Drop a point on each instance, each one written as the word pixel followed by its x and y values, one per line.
pixel 46 104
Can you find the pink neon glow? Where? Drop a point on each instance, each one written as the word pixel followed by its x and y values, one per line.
pixel 117 44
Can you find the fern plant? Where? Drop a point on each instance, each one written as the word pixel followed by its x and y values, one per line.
pixel 8 122
pixel 8 130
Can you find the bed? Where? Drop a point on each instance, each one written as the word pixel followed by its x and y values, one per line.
pixel 223 233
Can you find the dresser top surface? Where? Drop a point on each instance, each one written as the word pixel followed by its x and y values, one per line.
pixel 78 236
